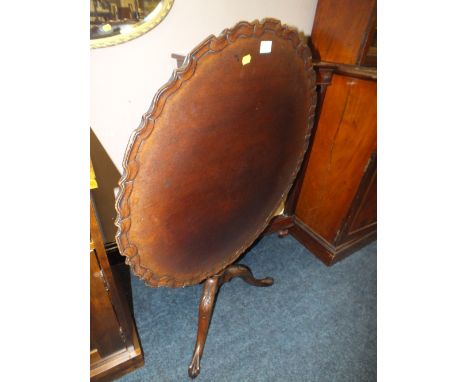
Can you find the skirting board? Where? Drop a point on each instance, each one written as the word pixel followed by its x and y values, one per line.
pixel 328 253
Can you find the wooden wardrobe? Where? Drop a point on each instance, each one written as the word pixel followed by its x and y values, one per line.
pixel 336 210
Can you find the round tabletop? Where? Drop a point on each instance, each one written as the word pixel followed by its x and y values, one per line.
pixel 216 154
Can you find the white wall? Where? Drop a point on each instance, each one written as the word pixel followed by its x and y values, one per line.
pixel 125 77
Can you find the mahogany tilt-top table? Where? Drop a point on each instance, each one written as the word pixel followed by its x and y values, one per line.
pixel 214 158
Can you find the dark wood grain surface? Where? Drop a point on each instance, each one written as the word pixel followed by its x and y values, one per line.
pixel 336 211
pixel 216 154
pixel 344 142
pixel 115 346
pixel 343 30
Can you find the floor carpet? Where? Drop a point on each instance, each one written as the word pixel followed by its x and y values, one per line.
pixel 316 323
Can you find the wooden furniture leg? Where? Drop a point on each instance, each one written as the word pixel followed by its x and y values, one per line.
pixel 283 233
pixel 205 311
pixel 207 302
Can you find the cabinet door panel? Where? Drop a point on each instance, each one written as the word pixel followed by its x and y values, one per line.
pixel 362 216
pixel 366 216
pixel 105 329
pixel 345 138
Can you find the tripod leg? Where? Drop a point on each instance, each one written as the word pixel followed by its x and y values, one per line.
pixel 207 302
pixel 242 271
pixel 205 311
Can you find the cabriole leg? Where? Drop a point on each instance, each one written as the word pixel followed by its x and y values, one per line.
pixel 207 302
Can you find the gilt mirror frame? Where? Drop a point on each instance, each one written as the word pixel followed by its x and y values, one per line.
pixel 136 30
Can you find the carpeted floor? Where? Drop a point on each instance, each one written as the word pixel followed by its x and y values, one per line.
pixel 316 323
